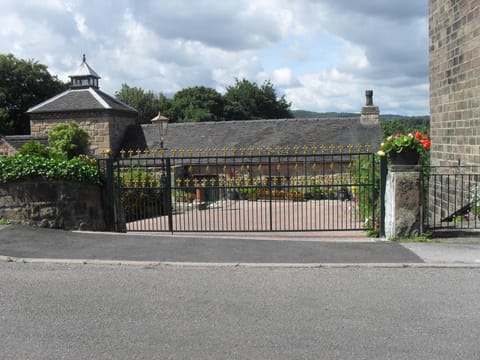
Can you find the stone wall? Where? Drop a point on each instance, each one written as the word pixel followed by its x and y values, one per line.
pixel 53 204
pixel 454 28
pixel 106 129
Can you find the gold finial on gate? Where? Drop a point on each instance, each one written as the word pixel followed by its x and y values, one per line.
pixel 208 151
pixel 314 165
pixel 368 147
pixel 233 150
pixel 174 152
pixel 332 148
pixel 204 182
pixel 269 150
pixel 215 151
pixel 130 153
pixel 323 149
pixel 122 153
pixel 154 152
pixel 195 182
pixel 138 152
pixel 190 152
pixel 187 182
pixel 242 151
pixel 305 149
pixel 314 149
pixel 212 181
pixel 295 149
pixel 250 150
pixel 179 182
pixel 287 149
pixel 199 151
pixel 146 152
pixel 279 150
pixel 341 148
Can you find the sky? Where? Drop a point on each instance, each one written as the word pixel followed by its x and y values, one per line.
pixel 321 54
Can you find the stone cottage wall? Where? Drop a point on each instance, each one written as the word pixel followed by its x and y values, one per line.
pixel 5 148
pixel 106 130
pixel 455 82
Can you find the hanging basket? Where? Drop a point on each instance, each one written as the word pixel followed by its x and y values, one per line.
pixel 406 157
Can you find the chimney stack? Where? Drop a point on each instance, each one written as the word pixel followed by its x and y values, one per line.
pixel 370 115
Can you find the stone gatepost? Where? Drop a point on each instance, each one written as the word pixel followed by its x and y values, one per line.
pixel 404 202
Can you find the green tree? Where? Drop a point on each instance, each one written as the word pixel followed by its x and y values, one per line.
pixel 405 125
pixel 246 100
pixel 69 139
pixel 146 103
pixel 198 103
pixel 23 84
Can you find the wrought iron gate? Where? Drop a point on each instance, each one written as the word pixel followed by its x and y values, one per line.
pixel 235 190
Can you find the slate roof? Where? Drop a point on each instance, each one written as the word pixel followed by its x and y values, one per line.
pixel 17 141
pixel 81 99
pixel 255 133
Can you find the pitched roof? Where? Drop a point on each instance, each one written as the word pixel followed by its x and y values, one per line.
pixel 84 70
pixel 81 99
pixel 17 141
pixel 255 133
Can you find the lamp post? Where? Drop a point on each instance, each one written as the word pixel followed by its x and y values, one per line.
pixel 162 122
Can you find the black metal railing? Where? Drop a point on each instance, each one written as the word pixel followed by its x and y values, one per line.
pixel 245 191
pixel 453 198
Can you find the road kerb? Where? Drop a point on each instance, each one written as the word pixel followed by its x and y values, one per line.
pixel 160 264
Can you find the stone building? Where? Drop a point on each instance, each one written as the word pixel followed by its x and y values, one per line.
pixel 454 28
pixel 104 117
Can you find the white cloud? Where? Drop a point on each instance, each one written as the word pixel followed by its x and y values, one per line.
pixel 327 52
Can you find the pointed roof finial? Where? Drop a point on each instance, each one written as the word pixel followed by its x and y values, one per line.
pixel 84 59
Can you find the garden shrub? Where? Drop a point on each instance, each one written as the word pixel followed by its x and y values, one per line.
pixel 24 167
pixel 34 148
pixel 69 139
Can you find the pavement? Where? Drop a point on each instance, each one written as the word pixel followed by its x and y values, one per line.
pixel 28 244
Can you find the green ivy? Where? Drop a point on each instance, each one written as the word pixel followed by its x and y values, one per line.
pixel 23 167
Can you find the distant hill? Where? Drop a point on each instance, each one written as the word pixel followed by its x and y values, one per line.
pixel 301 114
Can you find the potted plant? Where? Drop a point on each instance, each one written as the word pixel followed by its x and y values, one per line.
pixel 404 149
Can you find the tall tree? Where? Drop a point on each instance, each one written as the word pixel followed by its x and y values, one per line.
pixel 146 103
pixel 23 84
pixel 246 100
pixel 198 103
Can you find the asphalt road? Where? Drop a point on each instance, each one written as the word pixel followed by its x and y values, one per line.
pixel 27 242
pixel 113 312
